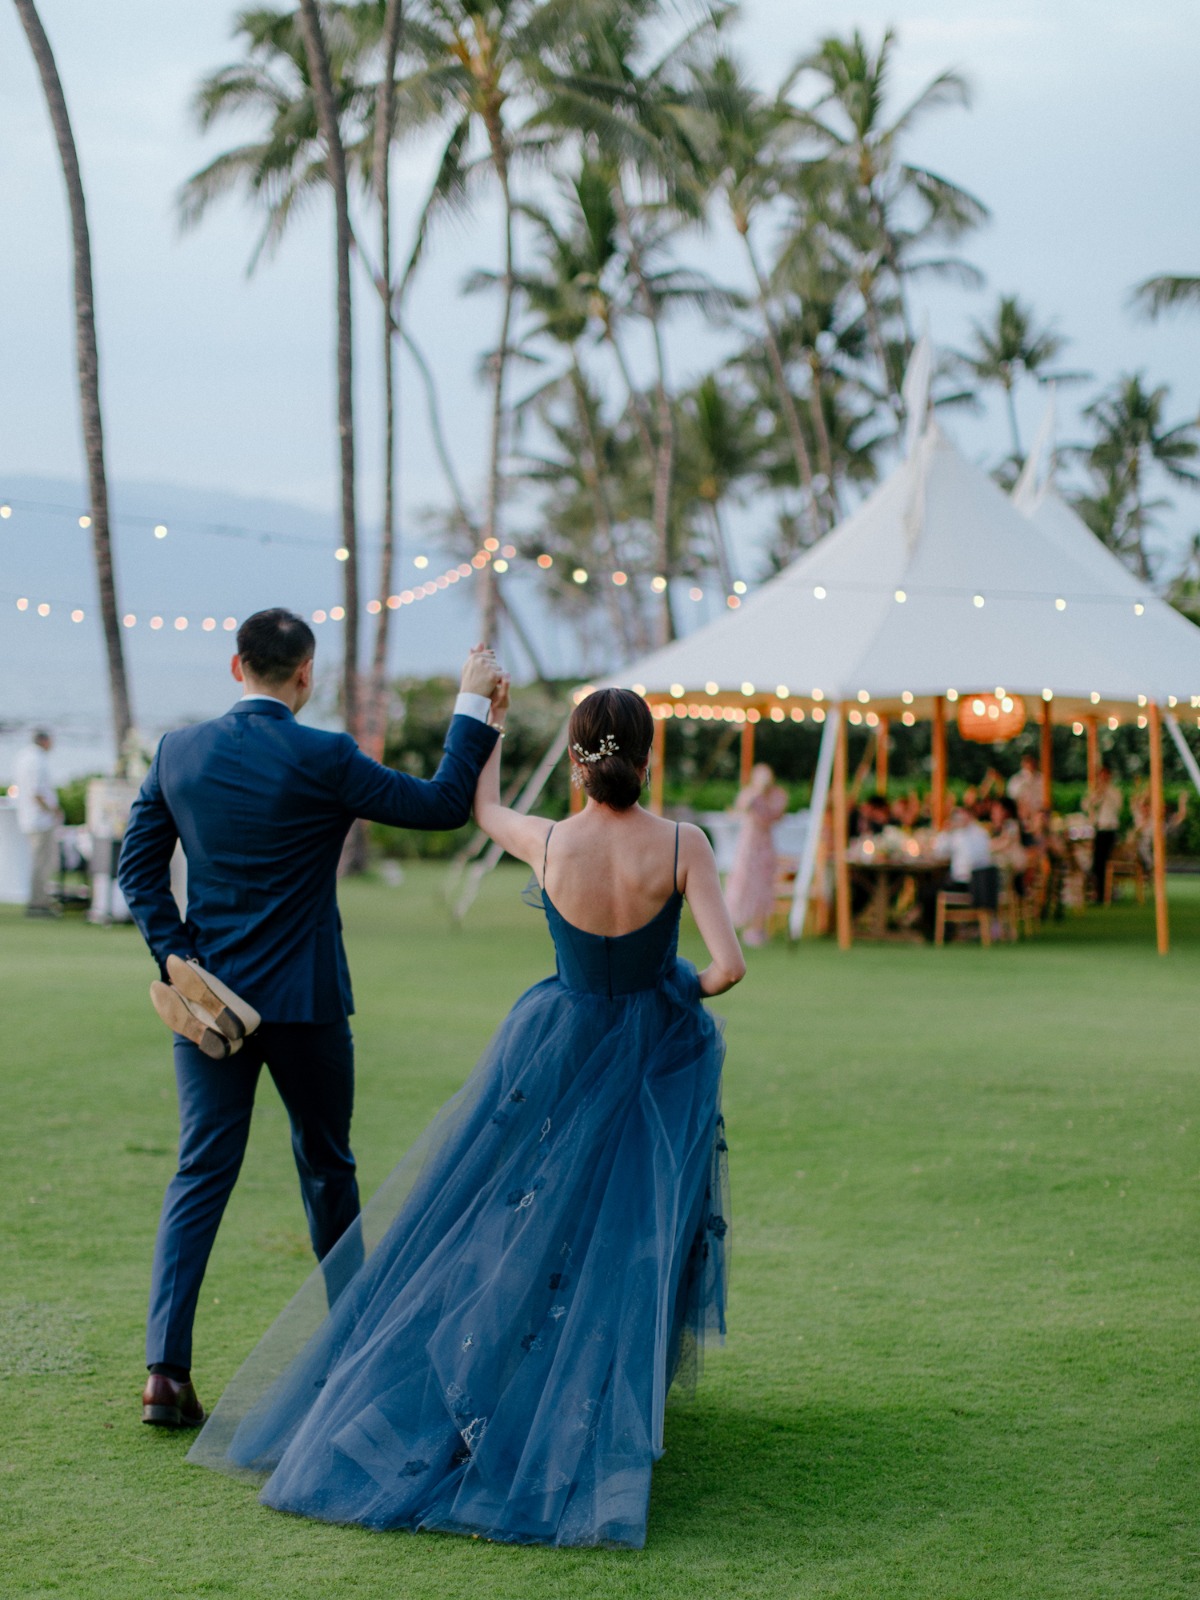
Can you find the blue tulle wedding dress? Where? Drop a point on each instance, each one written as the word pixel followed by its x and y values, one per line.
pixel 520 1295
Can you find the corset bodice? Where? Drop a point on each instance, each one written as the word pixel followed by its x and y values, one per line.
pixel 624 964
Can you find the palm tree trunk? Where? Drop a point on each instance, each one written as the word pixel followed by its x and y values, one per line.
pixel 791 417
pixel 664 454
pixel 1010 403
pixel 721 544
pixel 489 614
pixel 335 155
pixel 816 408
pixel 88 363
pixel 376 710
pixel 604 527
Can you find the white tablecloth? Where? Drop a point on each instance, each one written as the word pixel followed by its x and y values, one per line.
pixel 14 856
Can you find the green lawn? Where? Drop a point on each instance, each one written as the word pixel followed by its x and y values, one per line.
pixel 966 1294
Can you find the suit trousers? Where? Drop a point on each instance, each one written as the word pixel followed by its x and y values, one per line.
pixel 43 850
pixel 312 1065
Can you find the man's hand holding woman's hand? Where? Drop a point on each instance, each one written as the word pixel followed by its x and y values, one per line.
pixel 481 674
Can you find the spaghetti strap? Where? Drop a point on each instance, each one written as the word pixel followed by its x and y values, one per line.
pixel 546 853
pixel 675 871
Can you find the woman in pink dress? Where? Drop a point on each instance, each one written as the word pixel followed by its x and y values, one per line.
pixel 750 891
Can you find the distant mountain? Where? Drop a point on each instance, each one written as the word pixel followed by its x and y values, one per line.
pixel 223 555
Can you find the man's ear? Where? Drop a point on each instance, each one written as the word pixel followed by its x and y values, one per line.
pixel 235 666
pixel 304 673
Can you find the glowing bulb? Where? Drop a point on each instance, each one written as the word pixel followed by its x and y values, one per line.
pixel 747 688
pixel 580 575
pixel 732 601
pixel 156 623
pixel 500 566
pixel 818 593
pixel 85 522
pixel 374 607
pixel 1094 697
pixel 160 530
pixel 695 594
pixel 781 689
pixel 209 624
pixel 620 579
pixel 545 561
pixel 907 697
pixel 863 697
pixel 230 624
pixel 676 690
pixel 421 561
pixel 739 587
pixel 22 604
pixel 318 617
pixel 77 616
pixel 951 694
pixel 977 600
pixel 1047 695
pixel 129 620
pixel 341 553
pixel 337 613
pixel 1138 608
pixel 658 584
pixel 491 544
pixel 711 688
pixel 43 610
pixel 1060 604
pixel 5 512
pixel 180 624
pixel 901 597
pixel 509 551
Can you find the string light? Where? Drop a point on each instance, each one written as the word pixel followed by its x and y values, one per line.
pixel 545 561
pixel 341 553
pixel 739 587
pixel 5 512
pixel 580 575
pixel 818 593
pixel 658 583
pixel 160 530
pixel 421 561
pixel 695 593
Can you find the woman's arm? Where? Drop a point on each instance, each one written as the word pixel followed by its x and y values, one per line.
pixel 702 887
pixel 522 836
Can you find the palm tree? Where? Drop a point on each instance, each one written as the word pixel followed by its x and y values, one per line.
pixel 329 122
pixel 744 138
pixel 280 171
pixel 88 363
pixel 1165 293
pixel 891 208
pixel 475 60
pixel 1010 348
pixel 375 717
pixel 722 448
pixel 1132 440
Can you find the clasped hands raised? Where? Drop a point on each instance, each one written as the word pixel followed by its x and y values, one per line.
pixel 482 674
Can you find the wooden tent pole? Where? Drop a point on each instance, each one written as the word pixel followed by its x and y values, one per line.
pixel 1161 925
pixel 881 756
pixel 841 830
pixel 1093 750
pixel 658 766
pixel 939 764
pixel 1047 759
pixel 747 753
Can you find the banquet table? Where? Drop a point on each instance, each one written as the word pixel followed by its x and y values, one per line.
pixel 885 876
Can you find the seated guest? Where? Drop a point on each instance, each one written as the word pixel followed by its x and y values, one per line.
pixel 871 817
pixel 969 848
pixel 1008 847
pixel 906 809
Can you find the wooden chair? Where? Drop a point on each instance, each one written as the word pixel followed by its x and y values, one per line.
pixel 979 905
pixel 1125 862
pixel 1010 906
pixel 786 868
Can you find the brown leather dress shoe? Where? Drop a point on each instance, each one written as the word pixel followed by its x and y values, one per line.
pixel 168 1404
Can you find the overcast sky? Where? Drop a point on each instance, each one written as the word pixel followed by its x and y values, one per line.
pixel 1082 140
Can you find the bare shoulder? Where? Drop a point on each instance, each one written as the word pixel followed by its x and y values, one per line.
pixel 695 851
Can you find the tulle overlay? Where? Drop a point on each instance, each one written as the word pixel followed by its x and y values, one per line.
pixel 519 1296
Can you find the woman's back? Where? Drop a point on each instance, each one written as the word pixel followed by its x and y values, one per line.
pixel 610 873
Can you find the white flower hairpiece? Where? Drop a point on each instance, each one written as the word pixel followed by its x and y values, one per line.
pixel 608 747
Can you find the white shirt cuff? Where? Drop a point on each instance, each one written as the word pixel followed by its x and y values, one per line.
pixel 473 705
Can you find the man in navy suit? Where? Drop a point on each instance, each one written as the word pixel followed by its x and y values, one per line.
pixel 262 806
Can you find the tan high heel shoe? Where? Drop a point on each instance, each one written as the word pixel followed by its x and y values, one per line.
pixel 192 1022
pixel 231 1015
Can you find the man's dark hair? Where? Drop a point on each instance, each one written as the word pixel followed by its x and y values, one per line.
pixel 272 644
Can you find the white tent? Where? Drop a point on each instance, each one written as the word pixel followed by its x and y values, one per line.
pixel 939 587
pixel 938 583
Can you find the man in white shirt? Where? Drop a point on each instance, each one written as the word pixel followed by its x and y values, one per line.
pixel 1104 805
pixel 1025 790
pixel 38 818
pixel 969 847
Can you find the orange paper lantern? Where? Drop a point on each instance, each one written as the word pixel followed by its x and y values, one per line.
pixel 989 718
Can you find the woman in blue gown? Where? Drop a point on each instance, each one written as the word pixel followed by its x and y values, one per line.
pixel 505 1321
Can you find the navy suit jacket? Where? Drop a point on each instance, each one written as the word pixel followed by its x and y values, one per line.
pixel 263 805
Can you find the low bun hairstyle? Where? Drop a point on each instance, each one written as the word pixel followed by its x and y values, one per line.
pixel 621 718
